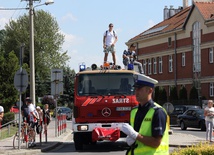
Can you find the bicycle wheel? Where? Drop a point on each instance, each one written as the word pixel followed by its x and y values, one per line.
pixel 16 141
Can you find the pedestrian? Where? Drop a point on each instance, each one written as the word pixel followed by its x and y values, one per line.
pixel 209 118
pixel 46 116
pixel 130 57
pixel 109 41
pixel 148 132
pixel 33 120
pixel 24 111
pixel 40 121
pixel 1 113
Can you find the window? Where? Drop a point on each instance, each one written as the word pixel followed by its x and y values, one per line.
pixel 170 63
pixel 211 55
pixel 160 65
pixel 144 66
pixel 169 41
pixel 149 67
pixel 196 47
pixel 155 65
pixel 183 60
pixel 211 90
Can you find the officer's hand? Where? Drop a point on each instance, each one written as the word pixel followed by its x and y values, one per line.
pixel 129 131
pixel 130 140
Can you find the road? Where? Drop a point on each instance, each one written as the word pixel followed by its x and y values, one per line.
pixel 192 131
pixel 104 148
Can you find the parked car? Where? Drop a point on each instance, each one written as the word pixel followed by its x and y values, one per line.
pixel 178 110
pixel 193 118
pixel 63 110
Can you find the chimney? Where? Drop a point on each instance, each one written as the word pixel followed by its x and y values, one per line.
pixel 165 13
pixel 185 4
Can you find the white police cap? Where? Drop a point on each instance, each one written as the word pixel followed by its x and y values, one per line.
pixel 1 109
pixel 143 80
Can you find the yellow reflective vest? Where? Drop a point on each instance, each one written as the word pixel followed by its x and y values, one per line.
pixel 146 130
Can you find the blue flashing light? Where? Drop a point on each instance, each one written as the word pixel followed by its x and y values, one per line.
pixel 130 66
pixel 82 67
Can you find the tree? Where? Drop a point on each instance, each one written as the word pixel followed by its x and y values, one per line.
pixel 156 94
pixel 47 41
pixel 8 65
pixel 193 94
pixel 68 93
pixel 162 97
pixel 173 94
pixel 183 93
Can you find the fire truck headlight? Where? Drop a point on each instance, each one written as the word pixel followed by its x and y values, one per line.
pixel 82 127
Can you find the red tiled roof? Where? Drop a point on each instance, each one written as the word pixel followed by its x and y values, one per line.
pixel 178 20
pixel 172 23
pixel 206 9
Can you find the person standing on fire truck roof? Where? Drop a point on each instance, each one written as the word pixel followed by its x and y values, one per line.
pixel 148 132
pixel 109 41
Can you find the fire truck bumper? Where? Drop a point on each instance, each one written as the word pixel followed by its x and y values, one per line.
pixel 111 134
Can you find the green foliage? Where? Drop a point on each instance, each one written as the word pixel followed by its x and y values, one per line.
pixel 9 64
pixel 173 94
pixel 199 149
pixel 48 42
pixel 49 100
pixel 183 93
pixel 68 93
pixel 193 93
pixel 9 116
pixel 162 95
pixel 156 95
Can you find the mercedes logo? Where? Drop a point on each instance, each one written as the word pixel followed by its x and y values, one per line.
pixel 106 112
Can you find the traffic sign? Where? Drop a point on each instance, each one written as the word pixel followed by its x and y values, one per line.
pixel 21 80
pixel 168 107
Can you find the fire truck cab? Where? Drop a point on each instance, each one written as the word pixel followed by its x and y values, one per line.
pixel 103 100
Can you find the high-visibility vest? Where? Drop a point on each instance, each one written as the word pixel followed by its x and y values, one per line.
pixel 146 130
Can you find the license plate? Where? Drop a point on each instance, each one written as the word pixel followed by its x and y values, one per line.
pixel 123 109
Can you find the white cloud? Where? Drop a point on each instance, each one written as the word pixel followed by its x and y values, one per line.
pixel 69 17
pixel 150 24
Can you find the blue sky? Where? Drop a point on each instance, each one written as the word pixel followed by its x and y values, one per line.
pixel 83 22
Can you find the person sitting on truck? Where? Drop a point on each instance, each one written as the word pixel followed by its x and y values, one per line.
pixel 130 57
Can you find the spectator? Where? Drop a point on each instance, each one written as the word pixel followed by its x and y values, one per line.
pixel 209 117
pixel 1 113
pixel 40 121
pixel 109 41
pixel 33 119
pixel 24 111
pixel 130 57
pixel 46 116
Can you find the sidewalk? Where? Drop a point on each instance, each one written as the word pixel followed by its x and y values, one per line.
pixel 6 145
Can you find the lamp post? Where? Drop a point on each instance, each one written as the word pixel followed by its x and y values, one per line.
pixel 32 63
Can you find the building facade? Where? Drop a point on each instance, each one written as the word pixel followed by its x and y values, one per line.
pixel 179 51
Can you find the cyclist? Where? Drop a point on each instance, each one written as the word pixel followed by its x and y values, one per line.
pixel 33 120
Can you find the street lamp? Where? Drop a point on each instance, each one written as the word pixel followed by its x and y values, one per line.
pixel 32 63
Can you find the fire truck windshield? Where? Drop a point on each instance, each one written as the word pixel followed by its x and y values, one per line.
pixel 105 84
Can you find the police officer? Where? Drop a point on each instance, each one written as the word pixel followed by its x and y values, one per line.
pixel 148 132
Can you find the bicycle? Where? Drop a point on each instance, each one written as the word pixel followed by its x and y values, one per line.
pixel 27 136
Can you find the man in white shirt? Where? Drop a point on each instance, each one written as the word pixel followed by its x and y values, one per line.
pixel 33 119
pixel 1 113
pixel 109 41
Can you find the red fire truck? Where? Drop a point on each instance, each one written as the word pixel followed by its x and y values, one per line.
pixel 103 100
